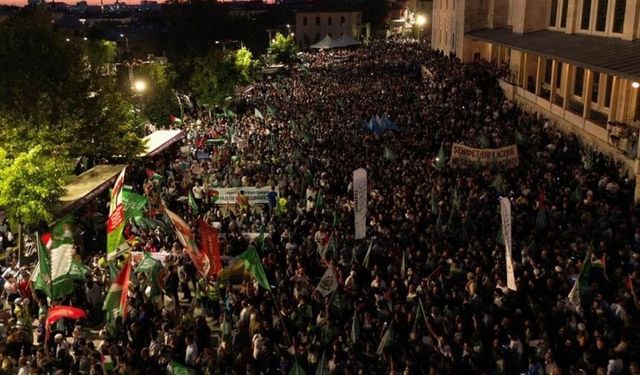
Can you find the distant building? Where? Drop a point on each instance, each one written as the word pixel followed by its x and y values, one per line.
pixel 313 25
pixel 575 61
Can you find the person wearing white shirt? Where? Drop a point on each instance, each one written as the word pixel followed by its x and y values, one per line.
pixel 191 353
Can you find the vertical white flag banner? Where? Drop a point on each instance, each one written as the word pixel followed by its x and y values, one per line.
pixel 360 200
pixel 505 211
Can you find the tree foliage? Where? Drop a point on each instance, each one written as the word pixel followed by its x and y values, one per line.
pixel 101 52
pixel 50 97
pixel 214 78
pixel 245 64
pixel 159 101
pixel 283 48
pixel 31 185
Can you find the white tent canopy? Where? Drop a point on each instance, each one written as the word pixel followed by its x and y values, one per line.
pixel 325 43
pixel 345 41
pixel 160 140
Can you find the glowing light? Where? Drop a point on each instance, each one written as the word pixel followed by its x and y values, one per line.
pixel 635 85
pixel 421 20
pixel 140 86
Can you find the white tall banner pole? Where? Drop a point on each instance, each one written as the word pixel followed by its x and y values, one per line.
pixel 360 200
pixel 505 211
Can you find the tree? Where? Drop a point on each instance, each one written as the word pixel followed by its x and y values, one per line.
pixel 245 64
pixel 283 48
pixel 101 53
pixel 214 78
pixel 31 186
pixel 50 97
pixel 159 100
pixel 375 12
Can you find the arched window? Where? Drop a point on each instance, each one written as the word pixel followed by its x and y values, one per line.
pixel 304 21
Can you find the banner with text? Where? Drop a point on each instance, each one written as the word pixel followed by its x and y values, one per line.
pixel 505 211
pixel 463 156
pixel 228 195
pixel 360 202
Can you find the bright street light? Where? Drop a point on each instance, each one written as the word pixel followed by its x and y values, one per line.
pixel 140 86
pixel 635 85
pixel 421 20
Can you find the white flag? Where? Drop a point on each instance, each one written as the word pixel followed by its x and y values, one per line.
pixel 328 283
pixel 360 200
pixel 505 210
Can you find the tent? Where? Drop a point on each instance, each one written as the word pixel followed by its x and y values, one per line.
pixel 159 140
pixel 87 186
pixel 345 41
pixel 326 43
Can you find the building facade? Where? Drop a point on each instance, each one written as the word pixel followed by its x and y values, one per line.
pixel 575 61
pixel 312 26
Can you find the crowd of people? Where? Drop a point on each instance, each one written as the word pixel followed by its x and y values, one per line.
pixel 424 293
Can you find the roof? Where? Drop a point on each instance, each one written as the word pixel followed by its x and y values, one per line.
pixel 607 55
pixel 160 140
pixel 87 186
pixel 345 41
pixel 325 43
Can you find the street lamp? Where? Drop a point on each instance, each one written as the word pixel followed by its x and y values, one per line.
pixel 635 85
pixel 140 86
pixel 421 20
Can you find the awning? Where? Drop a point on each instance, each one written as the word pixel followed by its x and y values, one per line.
pixel 159 140
pixel 272 69
pixel 611 56
pixel 325 43
pixel 345 41
pixel 87 186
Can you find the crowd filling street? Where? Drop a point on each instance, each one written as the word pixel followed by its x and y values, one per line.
pixel 425 292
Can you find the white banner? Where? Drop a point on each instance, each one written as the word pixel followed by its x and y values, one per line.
pixel 464 156
pixel 360 202
pixel 228 195
pixel 505 211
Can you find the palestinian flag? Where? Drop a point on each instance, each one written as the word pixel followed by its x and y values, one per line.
pixel 153 174
pixel 174 120
pixel 152 268
pixel 193 205
pixel 186 237
pixel 115 224
pixel 116 299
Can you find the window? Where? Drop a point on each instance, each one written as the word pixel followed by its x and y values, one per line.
pixel 601 16
pixel 596 87
pixel 342 20
pixel 586 14
pixel 578 82
pixel 317 21
pixel 607 93
pixel 563 18
pixel 304 21
pixel 618 16
pixel 554 13
pixel 558 75
pixel 329 21
pixel 547 71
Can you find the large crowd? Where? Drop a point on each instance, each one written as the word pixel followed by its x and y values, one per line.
pixel 424 293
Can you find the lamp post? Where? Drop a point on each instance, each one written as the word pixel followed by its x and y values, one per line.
pixel 139 87
pixel 126 42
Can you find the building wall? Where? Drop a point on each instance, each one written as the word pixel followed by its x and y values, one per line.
pixel 313 26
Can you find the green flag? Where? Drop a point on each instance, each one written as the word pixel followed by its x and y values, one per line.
pixel 296 369
pixel 389 155
pixel 387 339
pixel 582 282
pixel 355 328
pixel 151 267
pixel 178 368
pixel 62 252
pixel 260 239
pixel 441 159
pixel 484 141
pixel 520 139
pixel 43 269
pixel 133 203
pixel 258 114
pixel 271 111
pixel 323 366
pixel 253 265
pixel 500 237
pixel 192 204
pixel 320 200
pixel 420 314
